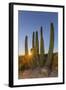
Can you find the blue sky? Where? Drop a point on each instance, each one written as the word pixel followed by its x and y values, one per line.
pixel 29 21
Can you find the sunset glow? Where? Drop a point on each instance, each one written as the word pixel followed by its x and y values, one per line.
pixel 30 53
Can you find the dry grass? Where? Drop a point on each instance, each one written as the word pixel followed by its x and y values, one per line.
pixel 30 69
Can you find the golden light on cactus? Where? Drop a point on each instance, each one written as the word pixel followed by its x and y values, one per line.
pixel 30 53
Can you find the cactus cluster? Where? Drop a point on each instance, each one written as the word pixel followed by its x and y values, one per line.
pixel 35 46
pixel 35 43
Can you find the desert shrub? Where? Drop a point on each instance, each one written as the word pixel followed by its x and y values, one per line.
pixel 42 61
pixel 21 67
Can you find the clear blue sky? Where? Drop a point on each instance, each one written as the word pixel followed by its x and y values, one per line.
pixel 29 21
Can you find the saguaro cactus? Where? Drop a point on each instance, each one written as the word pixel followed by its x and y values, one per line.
pixel 41 41
pixel 26 45
pixel 42 60
pixel 37 43
pixel 51 46
pixel 50 52
pixel 33 40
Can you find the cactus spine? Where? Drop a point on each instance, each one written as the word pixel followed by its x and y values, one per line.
pixel 26 45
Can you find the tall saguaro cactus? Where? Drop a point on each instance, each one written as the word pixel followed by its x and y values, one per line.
pixel 41 41
pixel 26 45
pixel 51 45
pixel 42 59
pixel 37 43
pixel 33 40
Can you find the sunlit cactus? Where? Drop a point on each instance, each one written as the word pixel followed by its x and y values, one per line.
pixel 51 45
pixel 26 45
pixel 37 43
pixel 41 41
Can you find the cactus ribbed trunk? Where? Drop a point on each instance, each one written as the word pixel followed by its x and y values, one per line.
pixel 33 40
pixel 41 48
pixel 26 45
pixel 51 46
pixel 37 43
pixel 41 41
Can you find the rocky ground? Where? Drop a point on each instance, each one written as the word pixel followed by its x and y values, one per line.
pixel 38 73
